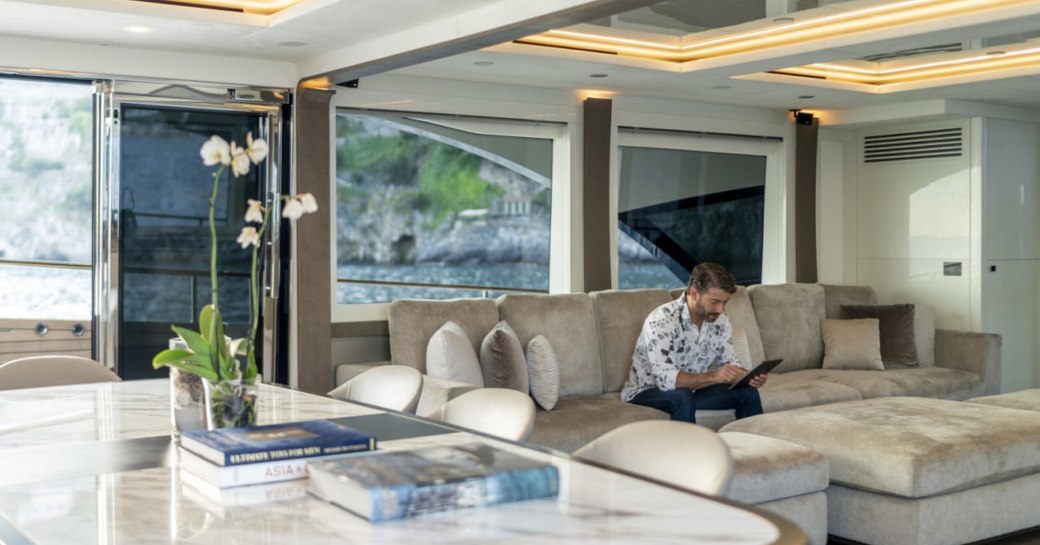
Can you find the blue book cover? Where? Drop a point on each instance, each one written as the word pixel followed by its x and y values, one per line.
pixel 273 442
pixel 392 485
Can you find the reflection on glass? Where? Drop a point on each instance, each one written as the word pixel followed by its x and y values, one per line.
pixel 164 236
pixel 420 202
pixel 678 208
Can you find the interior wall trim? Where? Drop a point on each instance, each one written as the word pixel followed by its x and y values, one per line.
pixel 806 142
pixel 597 224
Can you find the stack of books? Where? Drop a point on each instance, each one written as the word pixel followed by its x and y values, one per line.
pixel 392 485
pixel 254 464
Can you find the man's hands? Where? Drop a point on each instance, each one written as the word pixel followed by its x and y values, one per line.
pixel 731 373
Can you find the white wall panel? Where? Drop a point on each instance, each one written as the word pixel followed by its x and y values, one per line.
pixel 920 281
pixel 1011 309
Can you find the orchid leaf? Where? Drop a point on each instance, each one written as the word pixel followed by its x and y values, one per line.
pixel 170 355
pixel 206 322
pixel 196 342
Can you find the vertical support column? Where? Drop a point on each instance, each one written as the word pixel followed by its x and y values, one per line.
pixel 806 134
pixel 311 304
pixel 596 222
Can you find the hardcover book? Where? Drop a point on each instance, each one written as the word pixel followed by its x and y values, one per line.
pixel 392 485
pixel 217 499
pixel 243 474
pixel 275 442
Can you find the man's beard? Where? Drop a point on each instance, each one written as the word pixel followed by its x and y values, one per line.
pixel 704 314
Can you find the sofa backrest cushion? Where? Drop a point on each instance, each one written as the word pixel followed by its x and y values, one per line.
pixel 835 296
pixel 568 322
pixel 789 317
pixel 620 315
pixel 413 321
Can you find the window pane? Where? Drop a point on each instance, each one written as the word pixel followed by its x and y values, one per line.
pixel 422 206
pixel 678 208
pixel 46 172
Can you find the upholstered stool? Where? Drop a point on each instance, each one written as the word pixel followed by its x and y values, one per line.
pixel 907 470
pixel 1028 400
pixel 780 477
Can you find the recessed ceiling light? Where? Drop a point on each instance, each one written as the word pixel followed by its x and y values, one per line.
pixel 292 44
pixel 995 53
pixel 137 29
pixel 783 20
pixel 483 63
pixel 804 97
pixel 721 87
pixel 597 75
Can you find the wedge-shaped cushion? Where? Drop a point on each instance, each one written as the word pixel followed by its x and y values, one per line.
pixel 449 355
pixel 543 372
pixel 851 344
pixel 502 359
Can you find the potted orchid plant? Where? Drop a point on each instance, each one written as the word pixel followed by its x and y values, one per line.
pixel 208 355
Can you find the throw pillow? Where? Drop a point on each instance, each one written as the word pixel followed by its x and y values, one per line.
pixel 450 355
pixel 502 359
pixel 851 344
pixel 924 334
pixel 896 324
pixel 742 348
pixel 544 372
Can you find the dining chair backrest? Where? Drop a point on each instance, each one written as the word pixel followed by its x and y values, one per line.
pixel 395 387
pixel 52 370
pixel 680 453
pixel 501 412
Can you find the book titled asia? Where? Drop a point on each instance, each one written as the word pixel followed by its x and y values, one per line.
pixel 392 485
pixel 272 442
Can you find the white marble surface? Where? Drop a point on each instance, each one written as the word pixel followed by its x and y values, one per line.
pixel 117 502
pixel 153 506
pixel 38 417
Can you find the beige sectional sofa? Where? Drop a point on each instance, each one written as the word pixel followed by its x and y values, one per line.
pixel 594 335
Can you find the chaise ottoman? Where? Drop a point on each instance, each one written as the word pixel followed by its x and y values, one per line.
pixel 906 470
pixel 780 477
pixel 1028 400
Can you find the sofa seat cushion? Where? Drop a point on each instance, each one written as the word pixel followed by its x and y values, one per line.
pixel 576 420
pixel 937 382
pixel 784 391
pixel 768 469
pixel 908 446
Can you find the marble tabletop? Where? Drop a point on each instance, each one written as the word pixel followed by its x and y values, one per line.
pixel 148 503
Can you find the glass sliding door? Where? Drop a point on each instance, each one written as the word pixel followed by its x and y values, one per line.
pixel 158 268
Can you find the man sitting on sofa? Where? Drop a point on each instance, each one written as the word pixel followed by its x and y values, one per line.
pixel 684 356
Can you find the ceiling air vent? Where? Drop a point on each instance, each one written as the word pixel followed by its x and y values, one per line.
pixel 907 146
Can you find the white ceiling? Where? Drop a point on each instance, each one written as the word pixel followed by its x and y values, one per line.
pixel 327 25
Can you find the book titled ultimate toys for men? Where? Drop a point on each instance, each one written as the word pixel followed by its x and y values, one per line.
pixel 274 442
pixel 392 485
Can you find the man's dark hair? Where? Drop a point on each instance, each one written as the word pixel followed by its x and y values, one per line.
pixel 711 275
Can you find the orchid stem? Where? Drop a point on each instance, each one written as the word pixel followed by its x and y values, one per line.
pixel 215 354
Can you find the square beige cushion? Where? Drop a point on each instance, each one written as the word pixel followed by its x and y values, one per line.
pixel 788 317
pixel 619 316
pixel 851 344
pixel 896 324
pixel 449 355
pixel 543 372
pixel 502 359
pixel 413 321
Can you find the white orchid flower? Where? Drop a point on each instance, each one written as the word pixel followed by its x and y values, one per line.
pixel 214 151
pixel 239 160
pixel 310 204
pixel 255 212
pixel 256 149
pixel 248 237
pixel 293 209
